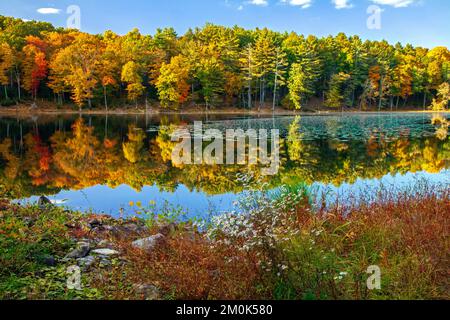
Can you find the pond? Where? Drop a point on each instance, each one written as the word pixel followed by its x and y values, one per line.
pixel 102 163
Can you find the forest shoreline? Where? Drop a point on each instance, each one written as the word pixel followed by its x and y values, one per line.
pixel 26 110
pixel 43 67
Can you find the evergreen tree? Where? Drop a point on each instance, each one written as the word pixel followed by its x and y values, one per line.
pixel 339 90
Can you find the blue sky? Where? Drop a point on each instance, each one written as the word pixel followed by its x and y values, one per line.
pixel 420 22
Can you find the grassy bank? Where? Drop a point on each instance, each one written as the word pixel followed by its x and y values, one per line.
pixel 281 247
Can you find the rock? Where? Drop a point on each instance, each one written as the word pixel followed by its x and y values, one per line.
pixel 105 252
pixel 108 228
pixel 82 249
pixel 167 229
pixel 148 244
pixel 86 262
pixel 135 227
pixel 95 223
pixel 83 241
pixel 148 291
pixel 105 263
pixel 123 261
pixel 49 261
pixel 105 244
pixel 44 202
pixel 128 230
pixel 131 226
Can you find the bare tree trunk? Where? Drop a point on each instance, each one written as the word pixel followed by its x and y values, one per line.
pixel 21 137
pixel 380 103
pixel 106 100
pixel 275 88
pixel 260 94
pixel 249 79
pixel 106 126
pixel 18 86
pixel 263 92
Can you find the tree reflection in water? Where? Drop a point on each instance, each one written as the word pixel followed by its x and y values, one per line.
pixel 62 153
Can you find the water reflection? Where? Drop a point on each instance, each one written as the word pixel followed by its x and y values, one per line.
pixel 104 162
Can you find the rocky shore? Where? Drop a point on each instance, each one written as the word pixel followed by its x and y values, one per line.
pixel 98 244
pixel 283 250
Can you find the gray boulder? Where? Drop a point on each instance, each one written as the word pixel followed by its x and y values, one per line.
pixel 95 223
pixel 86 262
pixel 150 243
pixel 105 262
pixel 128 230
pixel 167 229
pixel 48 260
pixel 82 249
pixel 105 244
pixel 44 202
pixel 105 252
pixel 148 291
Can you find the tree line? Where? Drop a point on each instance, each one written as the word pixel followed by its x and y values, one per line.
pixel 217 66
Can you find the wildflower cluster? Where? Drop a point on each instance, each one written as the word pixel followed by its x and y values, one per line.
pixel 263 223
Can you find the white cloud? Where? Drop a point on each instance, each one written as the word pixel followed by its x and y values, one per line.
pixel 342 4
pixel 240 8
pixel 395 3
pixel 48 11
pixel 304 4
pixel 259 2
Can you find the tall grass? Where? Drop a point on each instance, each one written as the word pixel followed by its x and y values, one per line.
pixel 281 245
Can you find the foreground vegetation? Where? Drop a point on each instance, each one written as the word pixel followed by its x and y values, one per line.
pixel 284 245
pixel 217 66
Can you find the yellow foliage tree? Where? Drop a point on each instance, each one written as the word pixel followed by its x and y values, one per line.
pixel 132 149
pixel 6 63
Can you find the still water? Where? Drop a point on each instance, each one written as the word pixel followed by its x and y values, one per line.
pixel 101 163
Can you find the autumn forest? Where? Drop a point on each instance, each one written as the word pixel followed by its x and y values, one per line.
pixel 120 180
pixel 216 67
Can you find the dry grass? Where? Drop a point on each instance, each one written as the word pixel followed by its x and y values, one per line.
pixel 325 255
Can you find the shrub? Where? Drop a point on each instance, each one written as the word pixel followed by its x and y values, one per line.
pixel 7 102
pixel 325 253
